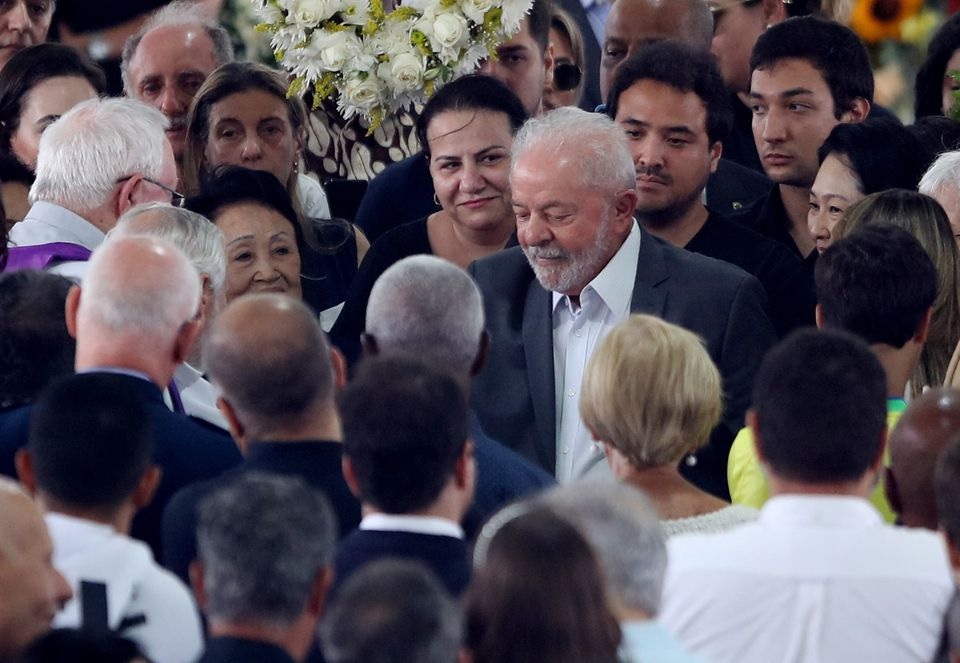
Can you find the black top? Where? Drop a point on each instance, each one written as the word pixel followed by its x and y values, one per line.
pixel 240 650
pixel 407 240
pixel 317 462
pixel 791 299
pixel 773 221
pixel 739 146
pixel 446 556
pixel 325 277
pixel 401 193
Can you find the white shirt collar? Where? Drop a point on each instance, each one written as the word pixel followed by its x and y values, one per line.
pixel 391 522
pixel 70 225
pixel 843 511
pixel 614 284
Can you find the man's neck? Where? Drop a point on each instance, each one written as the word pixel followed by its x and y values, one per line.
pixel 679 229
pixel 323 425
pixel 859 488
pixel 796 201
pixel 898 365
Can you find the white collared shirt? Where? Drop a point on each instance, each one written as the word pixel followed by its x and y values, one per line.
pixel 392 522
pixel 816 579
pixel 198 396
pixel 604 303
pixel 46 223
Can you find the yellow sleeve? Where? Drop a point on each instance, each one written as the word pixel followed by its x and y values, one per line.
pixel 745 478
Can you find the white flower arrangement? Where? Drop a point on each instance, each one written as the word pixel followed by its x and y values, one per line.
pixel 378 62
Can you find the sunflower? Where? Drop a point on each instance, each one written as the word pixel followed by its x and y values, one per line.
pixel 876 20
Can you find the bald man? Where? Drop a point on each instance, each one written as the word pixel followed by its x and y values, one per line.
pixel 136 315
pixel 924 430
pixel 732 189
pixel 32 590
pixel 276 374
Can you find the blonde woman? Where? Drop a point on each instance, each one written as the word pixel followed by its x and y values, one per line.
pixel 651 396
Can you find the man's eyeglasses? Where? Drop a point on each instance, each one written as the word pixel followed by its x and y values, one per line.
pixel 176 198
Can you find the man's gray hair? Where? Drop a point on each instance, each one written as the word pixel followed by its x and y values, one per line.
pixel 129 289
pixel 179 12
pixel 591 140
pixel 430 308
pixel 198 237
pixel 262 539
pixel 943 174
pixel 98 142
pixel 624 530
pixel 392 610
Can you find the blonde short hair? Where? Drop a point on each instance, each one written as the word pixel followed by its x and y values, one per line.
pixel 651 391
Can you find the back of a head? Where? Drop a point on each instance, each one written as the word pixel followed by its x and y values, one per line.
pixel 928 85
pixel 947 487
pixel 538 596
pixel 832 49
pixel 35 346
pixel 869 147
pixel 591 140
pixel 404 428
pixel 682 68
pixel 392 611
pixel 623 528
pixel 269 358
pixel 936 134
pixel 820 399
pixel 262 540
pixel 199 239
pixel 140 289
pixel 98 142
pixel 651 391
pixel 426 307
pixel 91 440
pixel 877 283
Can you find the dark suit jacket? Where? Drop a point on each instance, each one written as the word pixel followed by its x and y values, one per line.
pixel 241 650
pixel 317 462
pixel 446 556
pixel 186 452
pixel 514 396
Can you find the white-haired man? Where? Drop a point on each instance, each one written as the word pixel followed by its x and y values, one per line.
pixel 942 183
pixel 582 266
pixel 169 58
pixel 202 243
pixel 426 307
pixel 96 162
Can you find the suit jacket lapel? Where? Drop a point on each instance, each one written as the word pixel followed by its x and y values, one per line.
pixel 537 334
pixel 651 272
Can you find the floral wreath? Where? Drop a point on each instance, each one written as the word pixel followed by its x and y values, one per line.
pixel 378 62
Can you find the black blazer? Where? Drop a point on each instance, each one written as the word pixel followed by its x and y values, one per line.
pixel 514 395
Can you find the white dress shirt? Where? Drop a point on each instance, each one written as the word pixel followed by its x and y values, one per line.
pixel 604 303
pixel 198 396
pixel 392 522
pixel 816 579
pixel 46 223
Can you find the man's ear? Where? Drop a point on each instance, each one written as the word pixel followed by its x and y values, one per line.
pixel 858 112
pixel 891 490
pixel 196 583
pixel 462 471
pixel 923 329
pixel 237 430
pixel 483 351
pixel 716 151
pixel 624 207
pixel 187 335
pixel 126 195
pixel 952 552
pixel 548 64
pixel 818 316
pixel 71 307
pixel 317 602
pixel 346 466
pixel 147 487
pixel 339 363
pixel 24 464
pixel 753 423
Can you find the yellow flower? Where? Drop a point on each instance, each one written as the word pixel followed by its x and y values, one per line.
pixel 876 20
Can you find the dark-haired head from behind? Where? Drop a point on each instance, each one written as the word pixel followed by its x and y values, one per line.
pixel 474 92
pixel 32 66
pixel 877 283
pixel 936 134
pixel 35 346
pixel 392 611
pixel 404 430
pixel 683 68
pixel 90 445
pixel 832 49
pixel 871 148
pixel 820 408
pixel 929 86
pixel 82 646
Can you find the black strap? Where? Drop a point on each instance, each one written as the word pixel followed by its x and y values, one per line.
pixel 93 606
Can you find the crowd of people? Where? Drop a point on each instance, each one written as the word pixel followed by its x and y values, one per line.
pixel 668 379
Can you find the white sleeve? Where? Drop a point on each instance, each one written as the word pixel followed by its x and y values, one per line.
pixel 172 632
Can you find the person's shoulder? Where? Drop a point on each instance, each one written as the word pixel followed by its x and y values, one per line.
pixel 398 174
pixel 681 262
pixel 506 266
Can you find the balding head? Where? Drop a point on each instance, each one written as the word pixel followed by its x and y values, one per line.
pixel 923 431
pixel 429 308
pixel 270 360
pixel 137 308
pixel 633 22
pixel 32 590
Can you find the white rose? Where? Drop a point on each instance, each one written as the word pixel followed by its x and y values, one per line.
pixel 449 31
pixel 363 94
pixel 404 72
pixel 309 13
pixel 336 48
pixel 475 9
